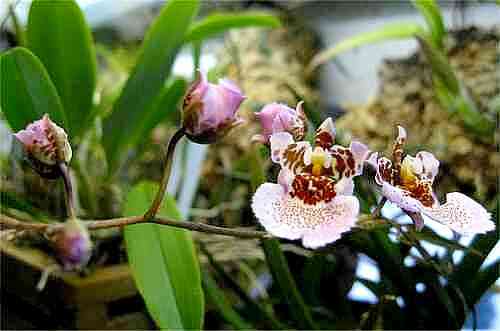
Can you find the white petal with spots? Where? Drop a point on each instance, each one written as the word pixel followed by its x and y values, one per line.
pixel 290 218
pixel 462 214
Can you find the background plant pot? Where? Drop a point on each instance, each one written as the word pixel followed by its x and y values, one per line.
pixel 106 298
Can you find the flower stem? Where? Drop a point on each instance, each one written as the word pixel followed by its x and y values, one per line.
pixel 378 210
pixel 68 187
pixel 10 222
pixel 151 213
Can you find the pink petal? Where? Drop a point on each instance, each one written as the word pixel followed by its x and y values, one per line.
pixel 340 216
pixel 345 186
pixel 430 164
pixel 400 198
pixel 279 142
pixel 360 152
pixel 462 214
pixel 285 179
pixel 401 133
pixel 266 205
pixel 290 218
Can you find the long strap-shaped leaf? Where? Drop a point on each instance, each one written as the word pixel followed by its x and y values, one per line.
pixel 164 264
pixel 221 22
pixel 286 284
pixel 146 80
pixel 430 11
pixel 26 91
pixel 217 298
pixel 387 32
pixel 59 36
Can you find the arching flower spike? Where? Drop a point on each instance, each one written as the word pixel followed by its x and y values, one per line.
pixel 313 199
pixel 408 183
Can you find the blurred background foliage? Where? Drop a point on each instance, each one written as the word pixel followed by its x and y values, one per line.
pixel 117 94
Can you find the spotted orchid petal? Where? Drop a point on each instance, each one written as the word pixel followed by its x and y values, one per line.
pixel 408 184
pixel 289 154
pixel 290 218
pixel 461 214
pixel 325 134
pixel 348 162
pixel 401 198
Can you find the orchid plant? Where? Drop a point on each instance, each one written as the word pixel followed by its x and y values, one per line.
pixel 316 198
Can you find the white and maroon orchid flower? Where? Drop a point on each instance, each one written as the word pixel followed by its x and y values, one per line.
pixel 313 199
pixel 209 110
pixel 276 117
pixel 408 183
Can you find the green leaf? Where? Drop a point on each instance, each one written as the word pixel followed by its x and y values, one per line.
pixel 482 282
pixel 153 67
pixel 164 264
pixel 218 23
pixel 286 284
pixel 387 32
pixel 432 14
pixel 59 36
pixel 217 298
pixel 228 282
pixel 166 106
pixel 440 66
pixel 26 91
pixel 430 236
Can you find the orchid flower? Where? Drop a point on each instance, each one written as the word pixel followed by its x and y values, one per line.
pixel 209 110
pixel 313 198
pixel 276 117
pixel 408 183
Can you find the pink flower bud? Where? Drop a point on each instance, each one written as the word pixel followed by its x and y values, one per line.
pixel 46 144
pixel 209 110
pixel 275 118
pixel 73 245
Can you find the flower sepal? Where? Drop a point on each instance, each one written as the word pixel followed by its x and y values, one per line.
pixel 209 110
pixel 44 145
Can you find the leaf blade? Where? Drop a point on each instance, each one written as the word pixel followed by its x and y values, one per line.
pixel 26 91
pixel 146 80
pixel 220 22
pixel 169 278
pixel 387 32
pixel 432 15
pixel 71 68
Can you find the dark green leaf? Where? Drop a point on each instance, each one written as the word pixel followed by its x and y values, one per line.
pixel 164 264
pixel 59 36
pixel 430 236
pixel 26 91
pixel 147 79
pixel 286 284
pixel 263 314
pixel 430 10
pixel 482 283
pixel 216 297
pixel 218 23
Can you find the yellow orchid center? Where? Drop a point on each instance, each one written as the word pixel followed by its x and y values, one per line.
pixel 407 172
pixel 318 159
